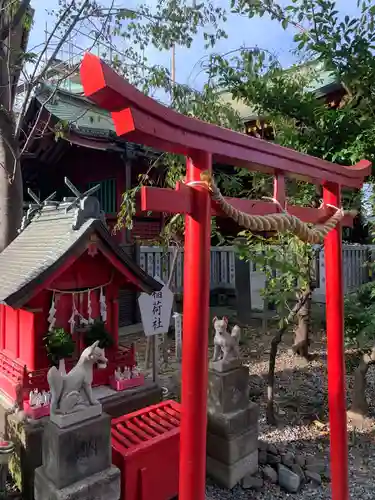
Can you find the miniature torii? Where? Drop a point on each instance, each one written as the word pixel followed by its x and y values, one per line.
pixel 142 120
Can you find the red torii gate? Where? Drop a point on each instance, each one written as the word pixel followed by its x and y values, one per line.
pixel 145 121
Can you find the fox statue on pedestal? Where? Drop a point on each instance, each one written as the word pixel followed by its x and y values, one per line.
pixel 67 389
pixel 226 345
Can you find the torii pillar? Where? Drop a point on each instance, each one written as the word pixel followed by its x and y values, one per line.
pixel 336 353
pixel 196 309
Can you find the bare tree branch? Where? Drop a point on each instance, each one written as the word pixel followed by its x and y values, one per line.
pixel 34 80
pixel 73 70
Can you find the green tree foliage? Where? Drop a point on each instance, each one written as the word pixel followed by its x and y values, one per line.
pixel 332 43
pixel 340 45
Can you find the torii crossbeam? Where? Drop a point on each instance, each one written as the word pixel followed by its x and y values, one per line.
pixel 144 121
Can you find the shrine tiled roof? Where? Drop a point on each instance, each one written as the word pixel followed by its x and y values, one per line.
pixel 82 117
pixel 322 82
pixel 75 110
pixel 45 244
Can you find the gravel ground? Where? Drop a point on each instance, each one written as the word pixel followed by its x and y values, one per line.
pixel 302 409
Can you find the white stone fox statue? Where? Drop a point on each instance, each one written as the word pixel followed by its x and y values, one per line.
pixel 66 389
pixel 226 345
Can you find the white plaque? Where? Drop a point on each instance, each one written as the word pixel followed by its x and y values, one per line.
pixel 178 335
pixel 156 310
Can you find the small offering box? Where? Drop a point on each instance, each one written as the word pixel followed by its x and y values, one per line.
pixel 36 412
pixel 130 383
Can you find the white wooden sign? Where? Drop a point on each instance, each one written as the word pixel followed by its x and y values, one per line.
pixel 156 310
pixel 178 335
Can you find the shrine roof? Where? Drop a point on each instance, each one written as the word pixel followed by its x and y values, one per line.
pixel 75 110
pixel 86 124
pixel 321 84
pixel 46 244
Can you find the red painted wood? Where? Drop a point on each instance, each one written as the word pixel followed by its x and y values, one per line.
pixel 149 122
pixel 26 332
pixel 12 331
pixel 139 127
pixel 195 345
pixel 279 190
pixel 127 276
pixel 115 317
pixel 80 273
pixel 155 199
pixel 40 305
pixel 161 200
pixel 145 447
pixel 336 364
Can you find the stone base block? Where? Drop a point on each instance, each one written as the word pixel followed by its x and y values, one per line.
pixel 104 485
pixel 224 366
pixel 230 450
pixel 65 420
pixel 28 452
pixel 233 423
pixel 230 475
pixel 122 402
pixel 73 453
pixel 228 390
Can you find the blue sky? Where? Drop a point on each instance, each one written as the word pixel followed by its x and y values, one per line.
pixel 241 31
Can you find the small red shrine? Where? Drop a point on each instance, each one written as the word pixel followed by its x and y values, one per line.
pixel 63 270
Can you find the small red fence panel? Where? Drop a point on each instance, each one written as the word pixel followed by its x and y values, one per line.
pixel 145 447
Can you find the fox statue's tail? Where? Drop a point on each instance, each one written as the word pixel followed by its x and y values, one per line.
pixel 236 333
pixel 55 381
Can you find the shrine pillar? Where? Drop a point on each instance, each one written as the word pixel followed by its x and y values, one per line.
pixel 195 334
pixel 336 354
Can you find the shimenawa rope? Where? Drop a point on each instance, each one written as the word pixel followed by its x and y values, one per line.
pixel 281 222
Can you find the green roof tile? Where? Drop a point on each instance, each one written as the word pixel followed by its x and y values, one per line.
pixel 75 110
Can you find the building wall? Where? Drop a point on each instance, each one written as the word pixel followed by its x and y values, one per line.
pixel 87 167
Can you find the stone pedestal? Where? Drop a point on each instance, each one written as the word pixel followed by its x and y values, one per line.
pixel 28 435
pixel 232 432
pixel 103 485
pixel 77 462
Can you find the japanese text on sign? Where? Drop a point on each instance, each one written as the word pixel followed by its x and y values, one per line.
pixel 156 310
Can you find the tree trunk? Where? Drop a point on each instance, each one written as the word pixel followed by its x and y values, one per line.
pixel 270 411
pixel 12 41
pixel 11 190
pixel 302 331
pixel 359 408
